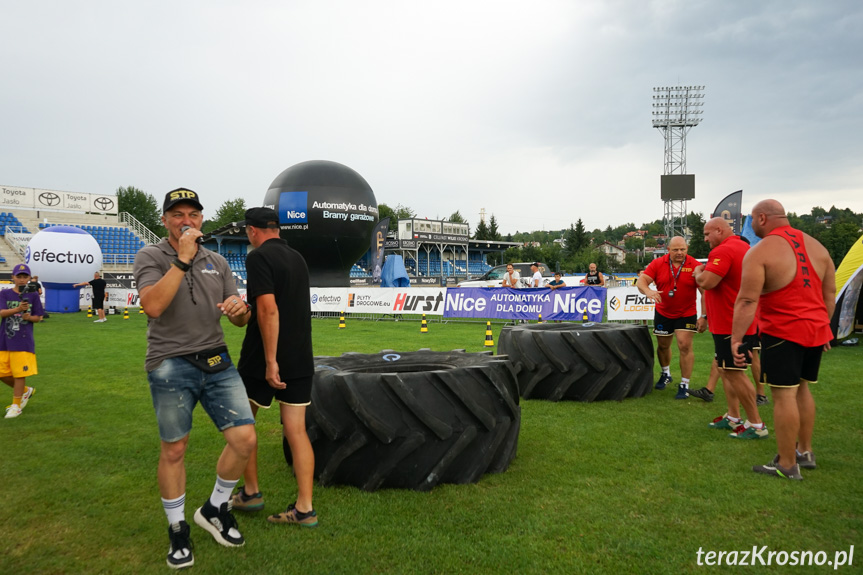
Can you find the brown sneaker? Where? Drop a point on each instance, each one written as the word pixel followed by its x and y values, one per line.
pixel 242 502
pixel 292 515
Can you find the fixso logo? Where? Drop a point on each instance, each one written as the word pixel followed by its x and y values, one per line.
pixel 293 207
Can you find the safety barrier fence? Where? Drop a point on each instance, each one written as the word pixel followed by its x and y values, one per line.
pixel 443 305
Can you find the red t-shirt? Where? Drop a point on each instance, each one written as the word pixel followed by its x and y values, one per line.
pixel 797 311
pixel 685 288
pixel 726 261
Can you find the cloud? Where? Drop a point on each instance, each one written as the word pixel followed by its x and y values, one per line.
pixel 537 112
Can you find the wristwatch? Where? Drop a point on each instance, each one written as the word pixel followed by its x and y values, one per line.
pixel 704 316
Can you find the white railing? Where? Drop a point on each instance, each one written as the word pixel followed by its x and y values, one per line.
pixel 17 239
pixel 139 228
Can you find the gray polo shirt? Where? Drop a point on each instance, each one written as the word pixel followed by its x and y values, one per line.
pixel 191 323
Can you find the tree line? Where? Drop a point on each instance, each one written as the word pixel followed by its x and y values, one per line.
pixel 569 250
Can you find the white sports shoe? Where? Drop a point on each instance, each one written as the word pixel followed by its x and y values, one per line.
pixel 13 411
pixel 27 395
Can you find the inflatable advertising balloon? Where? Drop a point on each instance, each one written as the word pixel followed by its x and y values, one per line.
pixel 62 256
pixel 327 212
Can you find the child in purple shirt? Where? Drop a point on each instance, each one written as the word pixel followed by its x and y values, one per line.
pixel 19 310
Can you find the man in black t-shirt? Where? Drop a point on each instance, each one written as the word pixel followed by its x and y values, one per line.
pixel 99 295
pixel 276 360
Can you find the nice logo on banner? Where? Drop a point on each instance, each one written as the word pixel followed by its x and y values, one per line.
pixel 571 303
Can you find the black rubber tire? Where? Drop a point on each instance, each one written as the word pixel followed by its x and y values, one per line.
pixel 412 420
pixel 580 362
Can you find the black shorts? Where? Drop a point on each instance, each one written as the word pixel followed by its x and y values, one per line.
pixel 722 350
pixel 785 363
pixel 98 303
pixel 667 326
pixel 297 392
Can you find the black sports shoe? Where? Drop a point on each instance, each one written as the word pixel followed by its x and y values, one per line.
pixel 761 400
pixel 664 380
pixel 775 470
pixel 180 552
pixel 220 523
pixel 702 393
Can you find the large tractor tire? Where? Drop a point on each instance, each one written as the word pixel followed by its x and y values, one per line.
pixel 580 362
pixel 412 420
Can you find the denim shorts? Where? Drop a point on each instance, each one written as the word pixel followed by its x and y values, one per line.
pixel 177 386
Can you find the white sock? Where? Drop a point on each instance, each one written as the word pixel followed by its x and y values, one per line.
pixel 222 491
pixel 734 419
pixel 175 509
pixel 684 381
pixel 666 370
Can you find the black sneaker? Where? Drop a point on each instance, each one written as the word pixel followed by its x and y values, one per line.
pixel 664 380
pixel 220 523
pixel 702 393
pixel 180 552
pixel 806 460
pixel 761 400
pixel 774 469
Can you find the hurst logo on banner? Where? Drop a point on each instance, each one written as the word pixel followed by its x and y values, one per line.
pixel 569 303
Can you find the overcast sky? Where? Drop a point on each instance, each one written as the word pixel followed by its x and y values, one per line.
pixel 538 112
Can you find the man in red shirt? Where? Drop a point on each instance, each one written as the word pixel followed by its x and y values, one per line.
pixel 720 277
pixel 675 314
pixel 791 280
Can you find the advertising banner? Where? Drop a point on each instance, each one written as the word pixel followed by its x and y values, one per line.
pixel 329 299
pixel 377 248
pixel 568 304
pixel 628 303
pixel 35 198
pixel 387 301
pixel 729 209
pixel 396 300
pixel 625 303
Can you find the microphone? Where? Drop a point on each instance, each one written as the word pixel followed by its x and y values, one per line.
pixel 198 240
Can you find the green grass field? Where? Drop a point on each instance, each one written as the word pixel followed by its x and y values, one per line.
pixel 632 487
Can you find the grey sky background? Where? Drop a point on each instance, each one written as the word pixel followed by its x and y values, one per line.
pixel 538 112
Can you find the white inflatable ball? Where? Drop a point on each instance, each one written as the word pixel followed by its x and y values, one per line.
pixel 63 255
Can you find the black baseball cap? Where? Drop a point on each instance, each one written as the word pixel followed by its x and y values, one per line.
pixel 181 195
pixel 262 218
pixel 537 264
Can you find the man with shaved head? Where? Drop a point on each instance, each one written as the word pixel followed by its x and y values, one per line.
pixel 720 278
pixel 791 279
pixel 675 313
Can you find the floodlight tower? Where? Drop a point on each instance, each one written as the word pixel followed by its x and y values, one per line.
pixel 676 110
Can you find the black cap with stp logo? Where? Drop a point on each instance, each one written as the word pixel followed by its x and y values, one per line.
pixel 181 195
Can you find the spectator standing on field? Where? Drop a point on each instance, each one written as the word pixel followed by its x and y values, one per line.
pixel 791 280
pixel 720 278
pixel 675 314
pixel 185 290
pixel 99 295
pixel 19 311
pixel 276 360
